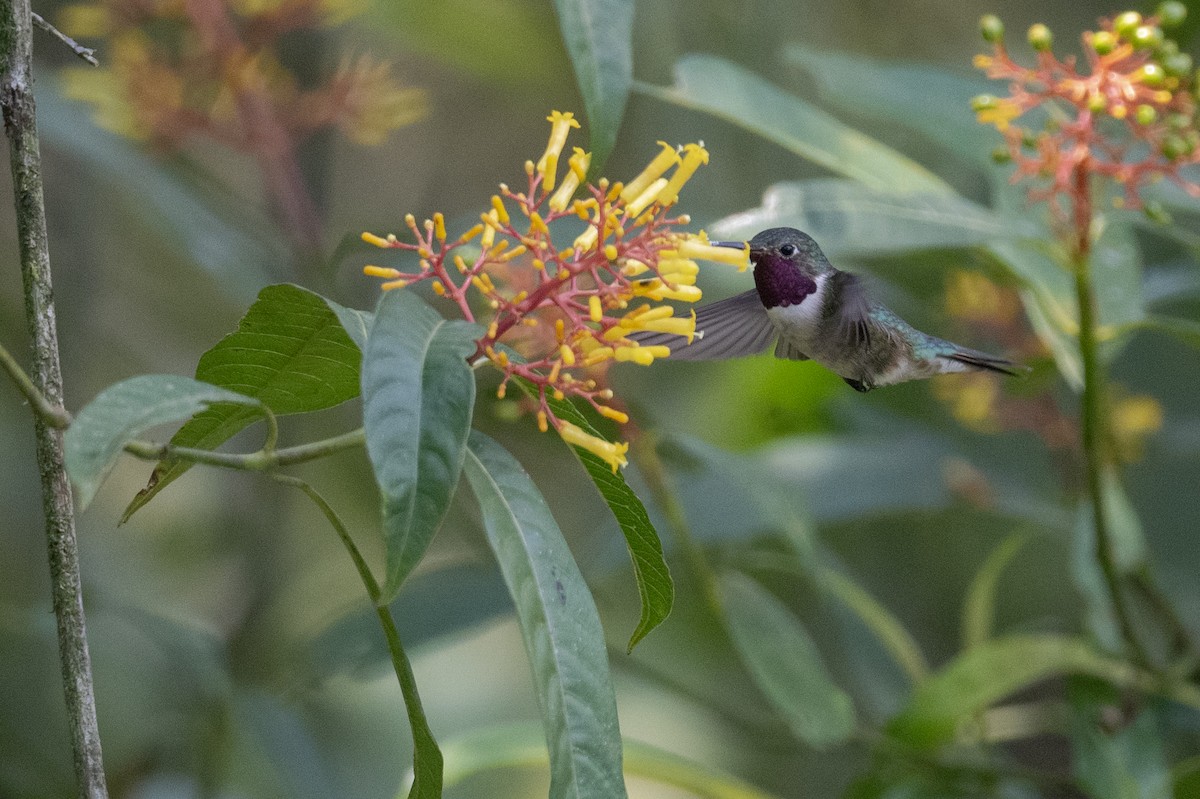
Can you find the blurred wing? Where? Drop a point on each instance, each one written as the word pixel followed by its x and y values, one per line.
pixel 730 328
pixel 854 310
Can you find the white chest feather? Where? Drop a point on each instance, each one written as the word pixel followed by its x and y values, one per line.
pixel 799 322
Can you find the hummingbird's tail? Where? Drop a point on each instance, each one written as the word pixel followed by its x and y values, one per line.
pixel 981 360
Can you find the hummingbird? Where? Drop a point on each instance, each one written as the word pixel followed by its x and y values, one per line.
pixel 812 310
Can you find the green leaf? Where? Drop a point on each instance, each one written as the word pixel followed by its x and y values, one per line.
pixel 122 411
pixel 1184 330
pixel 848 218
pixel 655 587
pixel 418 397
pixel 356 323
pixel 559 622
pixel 980 604
pixel 932 101
pixel 521 744
pixel 880 621
pixel 785 663
pixel 1123 763
pixel 991 671
pixel 725 90
pixel 289 351
pixel 598 35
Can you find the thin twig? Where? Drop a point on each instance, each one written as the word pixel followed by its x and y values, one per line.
pixel 86 53
pixel 51 414
pixel 20 122
pixel 264 460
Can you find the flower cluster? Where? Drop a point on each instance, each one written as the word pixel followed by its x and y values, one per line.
pixel 174 68
pixel 594 295
pixel 1132 76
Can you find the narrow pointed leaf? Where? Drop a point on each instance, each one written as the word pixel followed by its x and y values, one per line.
pixel 599 38
pixel 725 90
pixel 122 411
pixel 991 671
pixel 785 663
pixel 289 351
pixel 980 603
pixel 418 396
pixel 884 625
pixel 559 622
pixel 356 323
pixel 653 577
pixel 848 218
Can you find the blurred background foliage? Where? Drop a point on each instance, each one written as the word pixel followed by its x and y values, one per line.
pixel 234 652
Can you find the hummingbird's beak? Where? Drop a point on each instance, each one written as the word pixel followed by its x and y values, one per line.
pixel 733 245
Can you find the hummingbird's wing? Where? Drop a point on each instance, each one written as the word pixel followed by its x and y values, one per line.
pixel 853 312
pixel 729 328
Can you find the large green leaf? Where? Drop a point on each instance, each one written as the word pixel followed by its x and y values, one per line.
pixel 653 577
pixel 849 218
pixel 559 622
pixel 882 623
pixel 418 397
pixel 991 671
pixel 725 90
pixel 122 411
pixel 289 351
pixel 930 100
pixel 598 35
pixel 785 663
pixel 522 744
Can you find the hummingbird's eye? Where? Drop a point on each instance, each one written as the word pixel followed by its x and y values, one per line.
pixel 787 250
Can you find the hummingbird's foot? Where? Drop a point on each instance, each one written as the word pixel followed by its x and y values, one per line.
pixel 857 385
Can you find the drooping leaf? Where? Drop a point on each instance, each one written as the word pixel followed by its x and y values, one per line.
pixel 650 571
pixel 981 676
pixel 418 396
pixel 980 603
pixel 289 351
pixel 522 744
pixel 356 323
pixel 1127 762
pixel 598 35
pixel 785 663
pixel 849 218
pixel 725 90
pixel 559 622
pixel 122 411
pixel 1184 330
pixel 884 625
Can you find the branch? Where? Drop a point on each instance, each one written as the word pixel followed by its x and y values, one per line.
pixel 86 53
pixel 51 414
pixel 264 460
pixel 20 122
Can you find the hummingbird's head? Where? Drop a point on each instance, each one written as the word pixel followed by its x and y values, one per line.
pixel 780 247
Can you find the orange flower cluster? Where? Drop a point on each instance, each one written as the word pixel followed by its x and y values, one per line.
pixel 608 284
pixel 1131 73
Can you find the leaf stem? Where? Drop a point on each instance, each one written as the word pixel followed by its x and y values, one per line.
pixel 1094 411
pixel 264 460
pixel 20 121
pixel 427 757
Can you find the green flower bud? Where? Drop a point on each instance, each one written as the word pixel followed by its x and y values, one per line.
pixel 1097 103
pixel 1104 42
pixel 1167 48
pixel 1178 121
pixel 1151 75
pixel 1171 14
pixel 1147 37
pixel 1173 147
pixel 983 102
pixel 1040 37
pixel 1155 212
pixel 1001 155
pixel 1125 24
pixel 1145 115
pixel 1177 65
pixel 992 29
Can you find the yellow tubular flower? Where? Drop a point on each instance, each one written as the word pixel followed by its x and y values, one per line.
pixel 657 291
pixel 587 239
pixel 676 325
pixel 647 196
pixel 684 266
pixel 381 271
pixel 613 413
pixel 378 241
pixel 595 309
pixel 560 126
pixel 693 156
pixel 666 159
pixel 612 454
pixel 578 164
pixel 695 248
